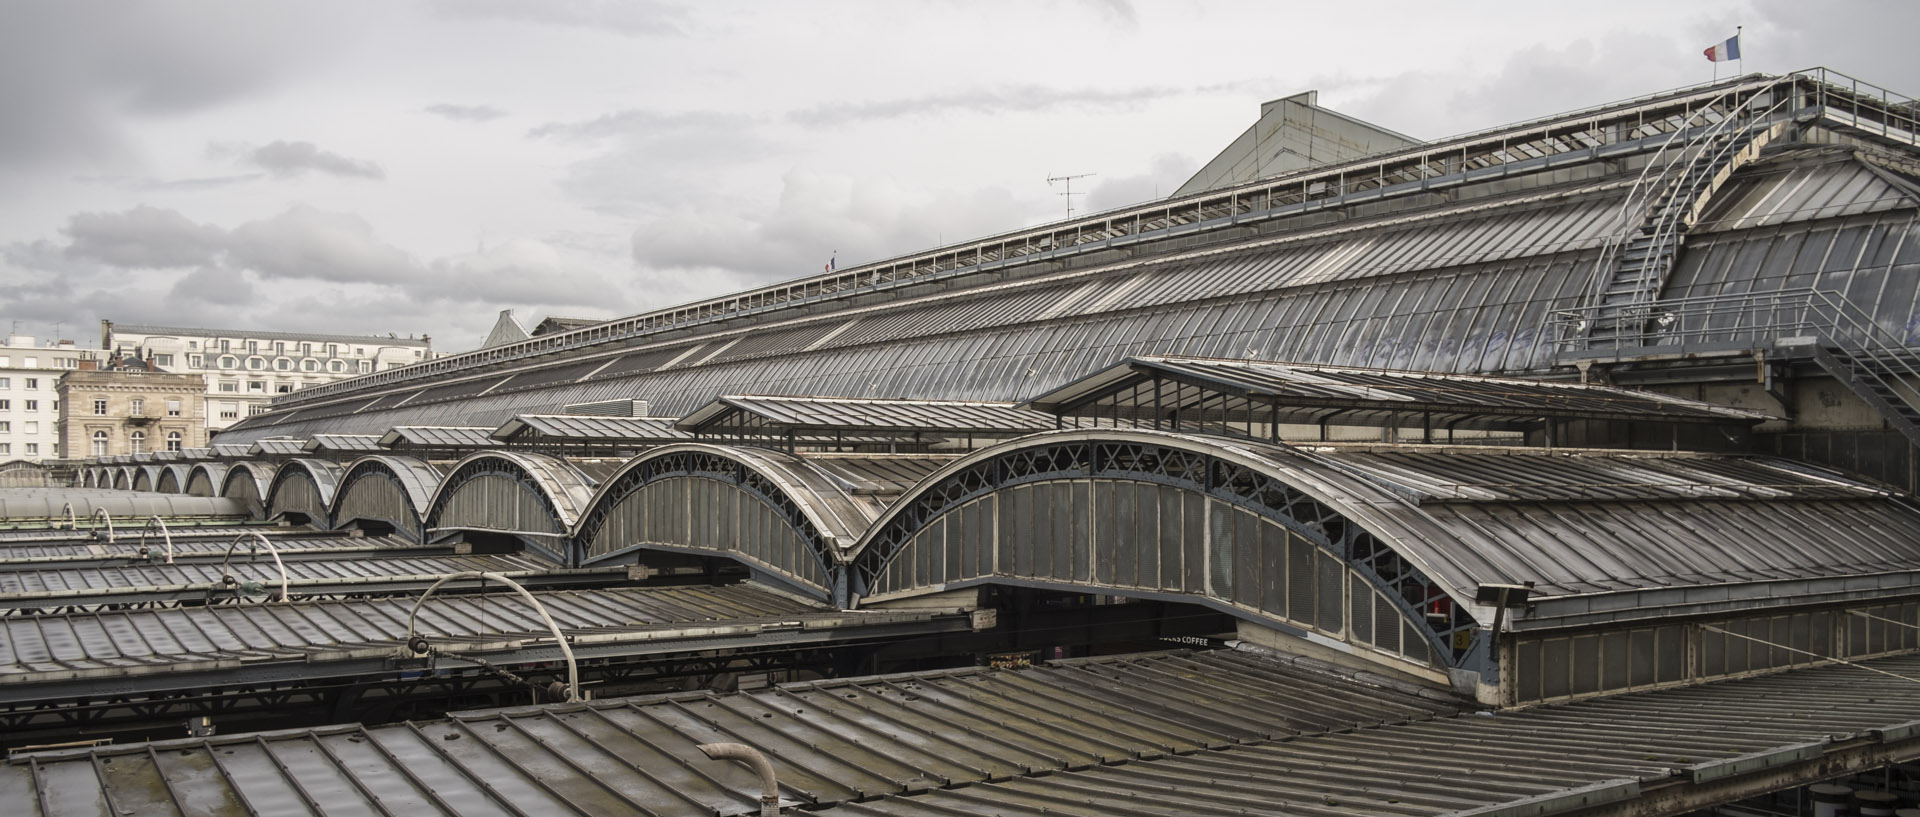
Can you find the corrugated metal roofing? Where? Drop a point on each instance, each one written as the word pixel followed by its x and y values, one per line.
pixel 1609 749
pixel 581 427
pixel 1304 393
pixel 232 450
pixel 37 588
pixel 343 442
pixel 830 741
pixel 1578 522
pixel 827 413
pixel 49 648
pixel 278 446
pixel 438 437
pixel 130 507
pixel 187 544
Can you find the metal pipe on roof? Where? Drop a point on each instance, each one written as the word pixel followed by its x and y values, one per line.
pixel 769 787
pixel 151 521
pixel 418 644
pixel 227 578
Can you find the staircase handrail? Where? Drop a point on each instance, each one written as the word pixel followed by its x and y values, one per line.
pixel 1666 233
pixel 1668 160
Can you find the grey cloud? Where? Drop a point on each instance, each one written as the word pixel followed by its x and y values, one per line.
pixel 212 285
pixel 629 17
pixel 636 123
pixel 305 243
pixel 143 237
pixel 289 159
pixel 1119 11
pixel 989 101
pixel 72 72
pixel 1164 175
pixel 465 113
pixel 147 184
pixel 815 216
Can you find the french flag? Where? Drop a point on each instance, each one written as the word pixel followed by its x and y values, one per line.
pixel 1729 50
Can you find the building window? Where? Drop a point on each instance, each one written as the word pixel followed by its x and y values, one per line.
pixel 256 408
pixel 6 382
pixel 136 407
pixel 33 405
pixel 195 361
pixel 279 348
pixel 310 365
pixel 33 382
pixel 257 386
pixel 6 448
pixel 336 366
pixel 173 441
pixel 256 363
pixel 193 344
pixel 224 347
pixel 32 363
pixel 333 350
pixel 253 346
pixel 6 426
pixel 99 443
pixel 33 449
pixel 306 348
pixel 282 364
pixel 229 411
pixel 283 388
pixel 31 427
pixel 228 385
pixel 56 407
pixel 99 406
pixel 366 366
pixel 163 360
pixel 228 362
pixel 6 405
pixel 138 440
pixel 173 407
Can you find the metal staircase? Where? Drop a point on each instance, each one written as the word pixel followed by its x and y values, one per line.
pixel 1877 367
pixel 1670 195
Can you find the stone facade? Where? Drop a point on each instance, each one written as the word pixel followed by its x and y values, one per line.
pixel 29 408
pixel 244 370
pixel 107 412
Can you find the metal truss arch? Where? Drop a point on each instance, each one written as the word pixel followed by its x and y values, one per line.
pixel 795 530
pixel 518 493
pixel 145 477
pixel 391 489
pixel 248 482
pixel 304 486
pixel 173 479
pixel 1255 530
pixel 206 479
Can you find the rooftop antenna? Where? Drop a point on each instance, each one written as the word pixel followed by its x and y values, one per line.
pixel 1069 182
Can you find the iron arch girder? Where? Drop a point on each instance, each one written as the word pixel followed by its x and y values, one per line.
pixel 322 476
pixel 215 473
pixel 496 464
pixel 394 471
pixel 1214 468
pixel 728 466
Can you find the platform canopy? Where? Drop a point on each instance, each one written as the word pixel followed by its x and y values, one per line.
pixel 577 429
pixel 1187 390
pixel 765 414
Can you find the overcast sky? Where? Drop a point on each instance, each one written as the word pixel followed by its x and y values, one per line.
pixel 415 167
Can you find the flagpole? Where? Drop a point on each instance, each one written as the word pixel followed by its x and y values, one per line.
pixel 1739 48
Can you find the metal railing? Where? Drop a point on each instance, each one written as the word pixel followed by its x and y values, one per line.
pixel 1680 171
pixel 1756 319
